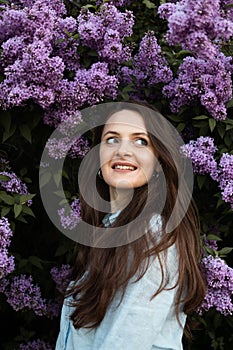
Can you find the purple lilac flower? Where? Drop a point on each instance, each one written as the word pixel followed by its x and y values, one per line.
pixel 32 66
pixel 201 154
pixel 210 243
pixel 70 221
pixel 22 293
pixel 226 168
pixel 219 277
pixel 14 184
pixel 67 146
pixel 69 125
pixel 105 32
pixel 79 148
pixel 117 3
pixel 4 284
pixel 4 164
pixel 37 344
pixel 58 148
pixel 5 233
pixel 7 264
pixel 61 276
pixel 54 307
pixel 207 81
pixel 197 25
pixel 98 81
pixel 149 65
pixel 89 86
pixel 226 177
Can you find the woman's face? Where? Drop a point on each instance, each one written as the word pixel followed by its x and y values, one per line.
pixel 127 157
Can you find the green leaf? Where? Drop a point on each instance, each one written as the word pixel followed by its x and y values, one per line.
pixel 213 237
pixel 17 209
pixel 224 251
pixel 34 260
pixel 200 181
pixel 201 117
pixel 6 198
pixel 45 178
pixel 28 211
pixel 221 130
pixel 26 132
pixel 9 133
pixel 212 124
pixel 57 177
pixel 230 103
pixel 25 197
pixel 4 177
pixel 182 53
pixel 5 211
pixel 5 121
pixel 180 127
pixel 149 4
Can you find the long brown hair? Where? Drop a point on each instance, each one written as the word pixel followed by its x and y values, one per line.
pixel 100 273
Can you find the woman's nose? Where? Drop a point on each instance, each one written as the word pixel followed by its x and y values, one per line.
pixel 124 148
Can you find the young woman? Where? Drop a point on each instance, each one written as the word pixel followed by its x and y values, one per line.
pixel 134 287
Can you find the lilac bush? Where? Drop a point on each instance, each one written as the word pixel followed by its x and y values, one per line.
pixel 201 152
pixel 37 344
pixel 219 277
pixel 22 293
pixel 7 264
pixel 70 220
pixel 198 26
pixel 207 81
pixel 61 276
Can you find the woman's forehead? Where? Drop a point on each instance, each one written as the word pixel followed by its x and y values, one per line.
pixel 127 119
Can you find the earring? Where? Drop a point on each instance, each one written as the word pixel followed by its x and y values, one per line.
pixel 155 175
pixel 100 174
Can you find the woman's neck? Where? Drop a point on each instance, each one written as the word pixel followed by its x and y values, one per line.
pixel 120 198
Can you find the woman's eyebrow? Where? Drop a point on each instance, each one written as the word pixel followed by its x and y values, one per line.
pixel 117 133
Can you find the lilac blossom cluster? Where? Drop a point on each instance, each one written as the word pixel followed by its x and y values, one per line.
pixel 21 293
pixel 207 81
pixel 197 25
pixel 89 86
pixel 14 184
pixel 201 152
pixel 219 278
pixel 37 344
pixel 117 3
pixel 200 27
pixel 7 264
pixel 54 307
pixel 226 177
pixel 38 58
pixel 11 183
pixel 149 66
pixel 67 146
pixel 61 276
pixel 105 32
pixel 31 70
pixel 70 221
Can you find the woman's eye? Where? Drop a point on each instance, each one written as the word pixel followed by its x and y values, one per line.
pixel 111 140
pixel 141 142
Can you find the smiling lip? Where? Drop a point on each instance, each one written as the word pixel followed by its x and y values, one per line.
pixel 123 167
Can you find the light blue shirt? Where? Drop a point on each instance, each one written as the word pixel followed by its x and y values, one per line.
pixel 139 322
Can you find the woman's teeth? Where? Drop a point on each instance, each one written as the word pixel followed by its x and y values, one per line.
pixel 124 167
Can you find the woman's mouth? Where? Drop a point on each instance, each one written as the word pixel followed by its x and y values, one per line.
pixel 124 167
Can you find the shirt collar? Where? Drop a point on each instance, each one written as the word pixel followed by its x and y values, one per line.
pixel 109 219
